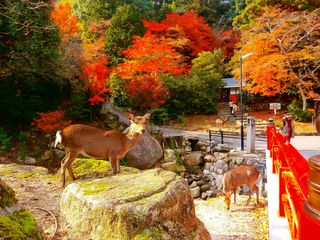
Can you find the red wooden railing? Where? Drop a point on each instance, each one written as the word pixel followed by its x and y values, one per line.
pixel 299 191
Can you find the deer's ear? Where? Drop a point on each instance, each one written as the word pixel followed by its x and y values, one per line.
pixel 147 116
pixel 130 116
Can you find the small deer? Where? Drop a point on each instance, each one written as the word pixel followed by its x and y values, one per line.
pixel 239 176
pixel 221 121
pixel 97 143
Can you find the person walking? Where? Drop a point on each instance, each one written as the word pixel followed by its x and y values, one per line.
pixel 288 128
pixel 235 108
pixel 231 106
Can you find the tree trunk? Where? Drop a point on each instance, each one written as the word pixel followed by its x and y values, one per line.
pixel 304 99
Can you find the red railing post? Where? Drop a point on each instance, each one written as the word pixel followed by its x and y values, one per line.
pixel 299 186
pixel 310 217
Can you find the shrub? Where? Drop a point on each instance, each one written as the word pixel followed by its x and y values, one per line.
pixel 23 149
pixel 160 116
pixel 5 141
pixel 78 108
pixel 295 108
pixel 51 121
pixel 119 95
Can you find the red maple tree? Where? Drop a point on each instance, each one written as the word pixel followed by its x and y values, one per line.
pixel 147 60
pixel 229 40
pixel 50 122
pixel 188 33
pixel 94 64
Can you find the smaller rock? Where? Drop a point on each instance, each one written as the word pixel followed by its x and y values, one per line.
pixel 208 158
pixel 194 159
pixel 193 184
pixel 169 156
pixel 205 187
pixel 46 155
pixel 206 172
pixel 204 196
pixel 195 192
pixel 209 193
pixel 173 167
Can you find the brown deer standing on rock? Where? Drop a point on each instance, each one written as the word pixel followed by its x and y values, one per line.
pixel 239 176
pixel 97 143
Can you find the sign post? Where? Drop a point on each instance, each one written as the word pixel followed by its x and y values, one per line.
pixel 275 107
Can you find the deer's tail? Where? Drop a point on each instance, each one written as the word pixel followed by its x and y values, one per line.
pixel 58 139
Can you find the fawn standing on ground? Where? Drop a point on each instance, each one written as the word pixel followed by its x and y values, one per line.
pixel 239 176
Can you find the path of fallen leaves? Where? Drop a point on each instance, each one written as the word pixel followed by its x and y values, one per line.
pixel 241 222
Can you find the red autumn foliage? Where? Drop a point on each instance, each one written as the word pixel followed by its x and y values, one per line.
pixel 147 92
pixel 230 39
pixel 148 58
pixel 51 121
pixel 188 34
pixel 94 64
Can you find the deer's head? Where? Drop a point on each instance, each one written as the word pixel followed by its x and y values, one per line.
pixel 138 124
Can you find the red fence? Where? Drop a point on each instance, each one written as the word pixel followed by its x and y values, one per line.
pixel 299 186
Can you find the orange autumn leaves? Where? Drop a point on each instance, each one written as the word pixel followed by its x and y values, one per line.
pixel 93 58
pixel 286 53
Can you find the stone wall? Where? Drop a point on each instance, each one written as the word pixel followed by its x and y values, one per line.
pixel 203 164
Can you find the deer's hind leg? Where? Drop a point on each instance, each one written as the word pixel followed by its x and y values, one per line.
pixel 67 163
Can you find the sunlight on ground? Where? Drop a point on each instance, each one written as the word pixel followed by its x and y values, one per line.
pixel 241 222
pixel 205 122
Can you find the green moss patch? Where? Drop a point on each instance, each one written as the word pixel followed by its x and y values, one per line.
pixel 94 187
pixel 21 225
pixel 151 233
pixel 90 167
pixel 7 195
pixel 17 170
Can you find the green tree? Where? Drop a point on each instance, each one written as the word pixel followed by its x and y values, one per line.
pixel 99 10
pixel 29 57
pixel 124 24
pixel 199 91
pixel 215 12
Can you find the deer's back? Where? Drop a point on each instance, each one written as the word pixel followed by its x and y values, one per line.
pixel 239 176
pixel 92 141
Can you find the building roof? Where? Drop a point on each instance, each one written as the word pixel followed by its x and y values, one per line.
pixel 231 83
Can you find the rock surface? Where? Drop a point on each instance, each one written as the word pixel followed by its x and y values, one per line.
pixel 153 204
pixel 145 154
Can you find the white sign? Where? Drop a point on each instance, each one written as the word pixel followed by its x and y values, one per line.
pixel 276 106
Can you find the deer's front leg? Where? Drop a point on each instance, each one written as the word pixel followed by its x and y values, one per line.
pixel 113 164
pixel 118 165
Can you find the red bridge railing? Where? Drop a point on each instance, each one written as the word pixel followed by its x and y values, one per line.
pixel 299 186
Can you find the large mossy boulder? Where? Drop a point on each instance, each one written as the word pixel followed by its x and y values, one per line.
pixel 146 153
pixel 15 223
pixel 151 204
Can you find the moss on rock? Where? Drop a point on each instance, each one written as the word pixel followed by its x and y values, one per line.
pixel 84 168
pixel 7 195
pixel 21 225
pixel 22 170
pixel 152 233
pixel 131 206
